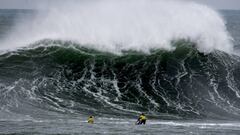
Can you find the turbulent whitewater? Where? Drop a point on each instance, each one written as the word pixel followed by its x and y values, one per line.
pixel 115 26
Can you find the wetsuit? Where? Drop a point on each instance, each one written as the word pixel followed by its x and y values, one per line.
pixel 91 120
pixel 142 119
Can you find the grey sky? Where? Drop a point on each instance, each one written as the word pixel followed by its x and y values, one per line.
pixel 218 4
pixel 221 4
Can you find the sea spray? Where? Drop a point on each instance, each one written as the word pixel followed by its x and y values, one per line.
pixel 114 26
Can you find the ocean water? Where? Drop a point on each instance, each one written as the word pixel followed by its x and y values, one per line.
pixel 52 85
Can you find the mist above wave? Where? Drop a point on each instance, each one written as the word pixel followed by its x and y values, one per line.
pixel 113 26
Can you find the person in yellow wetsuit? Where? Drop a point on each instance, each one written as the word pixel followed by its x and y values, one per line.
pixel 141 119
pixel 90 119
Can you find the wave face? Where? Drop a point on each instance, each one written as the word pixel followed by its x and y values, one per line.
pixel 118 25
pixel 59 76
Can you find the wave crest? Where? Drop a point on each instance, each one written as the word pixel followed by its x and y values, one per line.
pixel 139 25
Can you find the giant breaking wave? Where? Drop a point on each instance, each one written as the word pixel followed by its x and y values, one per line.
pixel 169 59
pixel 183 83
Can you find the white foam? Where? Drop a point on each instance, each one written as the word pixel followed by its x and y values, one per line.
pixel 199 124
pixel 116 25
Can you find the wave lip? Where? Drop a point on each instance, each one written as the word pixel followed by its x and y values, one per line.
pixel 139 25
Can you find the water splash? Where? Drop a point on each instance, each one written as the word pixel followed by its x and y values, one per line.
pixel 114 26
